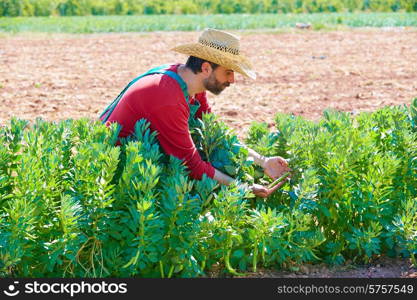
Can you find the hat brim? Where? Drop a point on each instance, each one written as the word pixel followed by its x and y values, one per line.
pixel 237 63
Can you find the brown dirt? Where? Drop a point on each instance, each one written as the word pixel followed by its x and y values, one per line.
pixel 301 72
pixel 381 267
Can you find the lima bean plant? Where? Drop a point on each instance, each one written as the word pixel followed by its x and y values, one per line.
pixel 72 204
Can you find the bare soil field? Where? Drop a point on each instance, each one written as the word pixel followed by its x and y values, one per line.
pixel 302 72
pixel 383 267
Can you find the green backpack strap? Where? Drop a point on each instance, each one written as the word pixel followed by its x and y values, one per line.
pixel 158 70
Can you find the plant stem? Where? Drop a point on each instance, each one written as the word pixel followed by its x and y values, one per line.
pixel 171 270
pixel 255 256
pixel 161 269
pixel 274 183
pixel 228 266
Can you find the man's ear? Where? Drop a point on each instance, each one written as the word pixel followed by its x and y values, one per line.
pixel 206 69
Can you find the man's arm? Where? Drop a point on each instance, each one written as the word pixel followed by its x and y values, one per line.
pixel 171 123
pixel 222 178
pixel 257 158
pixel 273 166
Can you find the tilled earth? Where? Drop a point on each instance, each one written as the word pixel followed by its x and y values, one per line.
pixel 56 76
pixel 301 72
pixel 382 267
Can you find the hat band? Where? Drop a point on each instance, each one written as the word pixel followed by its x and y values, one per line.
pixel 218 46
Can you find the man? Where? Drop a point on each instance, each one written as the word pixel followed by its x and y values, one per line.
pixel 163 96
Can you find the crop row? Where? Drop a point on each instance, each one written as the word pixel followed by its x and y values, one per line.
pixel 74 205
pixel 147 23
pixel 129 7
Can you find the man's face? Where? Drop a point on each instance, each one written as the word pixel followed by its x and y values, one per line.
pixel 218 80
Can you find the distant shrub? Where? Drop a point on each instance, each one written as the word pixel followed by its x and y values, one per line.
pixel 131 7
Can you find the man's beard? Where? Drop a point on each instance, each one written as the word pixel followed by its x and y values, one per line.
pixel 213 85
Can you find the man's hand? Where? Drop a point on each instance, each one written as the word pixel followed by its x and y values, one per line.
pixel 263 192
pixel 275 166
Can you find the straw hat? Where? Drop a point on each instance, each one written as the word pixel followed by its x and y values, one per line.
pixel 221 48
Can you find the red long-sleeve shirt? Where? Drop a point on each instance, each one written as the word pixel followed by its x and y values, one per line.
pixel 159 99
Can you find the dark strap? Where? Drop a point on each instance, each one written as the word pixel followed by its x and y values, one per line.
pixel 158 70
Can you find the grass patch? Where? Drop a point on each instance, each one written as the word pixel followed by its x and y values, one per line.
pixel 146 23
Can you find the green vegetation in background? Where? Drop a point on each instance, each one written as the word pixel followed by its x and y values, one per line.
pixel 15 8
pixel 93 24
pixel 74 205
pixel 357 176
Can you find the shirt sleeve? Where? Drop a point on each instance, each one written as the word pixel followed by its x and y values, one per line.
pixel 171 123
pixel 204 106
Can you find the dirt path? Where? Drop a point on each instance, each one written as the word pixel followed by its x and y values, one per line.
pixel 381 268
pixel 301 72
